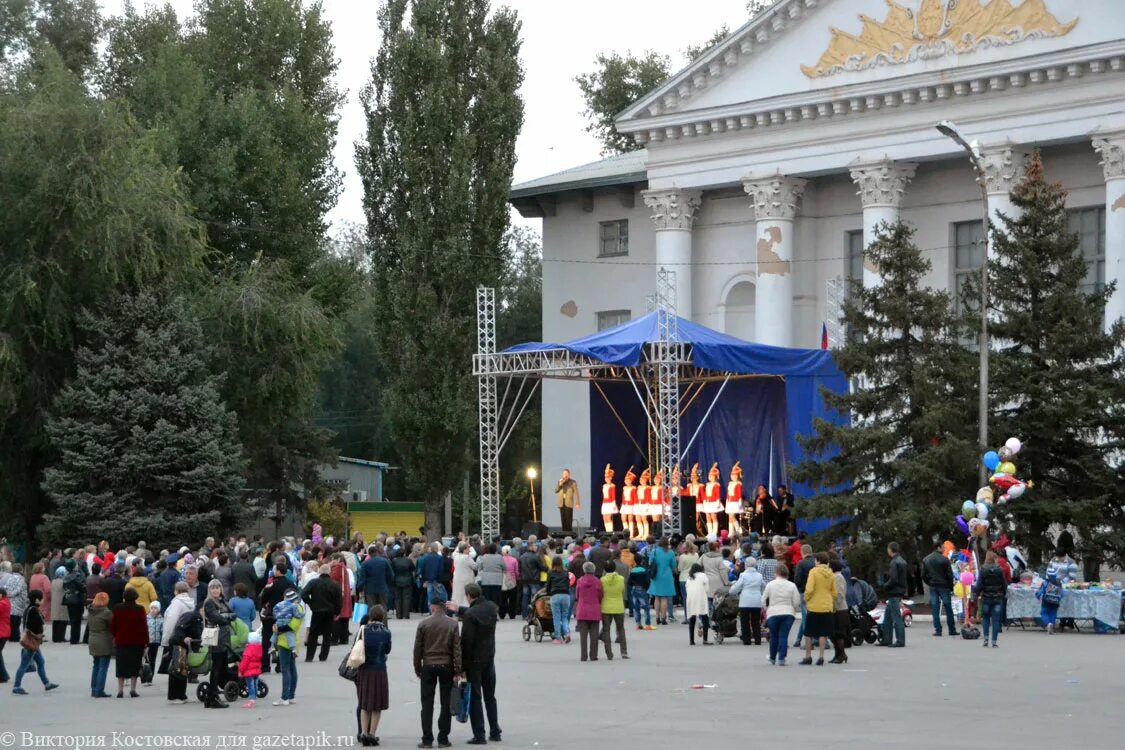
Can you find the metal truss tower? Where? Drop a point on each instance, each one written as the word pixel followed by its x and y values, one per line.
pixel 668 355
pixel 488 410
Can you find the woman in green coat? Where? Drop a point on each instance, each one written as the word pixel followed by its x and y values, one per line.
pixel 101 644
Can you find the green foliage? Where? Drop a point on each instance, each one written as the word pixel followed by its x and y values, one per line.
pixel 147 450
pixel 89 211
pixel 1057 376
pixel 695 51
pixel 442 118
pixel 616 82
pixel 907 458
pixel 70 29
pixel 332 515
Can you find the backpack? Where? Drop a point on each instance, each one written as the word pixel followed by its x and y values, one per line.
pixel 1052 595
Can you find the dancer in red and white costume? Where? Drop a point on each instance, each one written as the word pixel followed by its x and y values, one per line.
pixel 712 500
pixel 644 504
pixel 628 502
pixel 658 498
pixel 734 501
pixel 609 500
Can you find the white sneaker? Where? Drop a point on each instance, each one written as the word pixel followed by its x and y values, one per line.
pixel 281 702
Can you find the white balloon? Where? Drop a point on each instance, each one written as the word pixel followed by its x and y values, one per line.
pixel 1016 490
pixel 1013 444
pixel 982 511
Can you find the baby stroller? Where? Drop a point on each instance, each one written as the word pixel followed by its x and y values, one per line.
pixel 199 664
pixel 861 600
pixel 725 619
pixel 236 685
pixel 539 618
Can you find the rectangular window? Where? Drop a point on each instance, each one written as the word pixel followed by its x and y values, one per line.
pixel 855 255
pixel 611 318
pixel 967 256
pixel 613 238
pixel 1089 225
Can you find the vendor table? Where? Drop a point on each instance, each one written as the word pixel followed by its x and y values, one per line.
pixel 1103 606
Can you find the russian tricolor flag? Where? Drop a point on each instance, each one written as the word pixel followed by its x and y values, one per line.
pixel 823 335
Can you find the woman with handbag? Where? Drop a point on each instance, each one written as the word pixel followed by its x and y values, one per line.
pixel 372 692
pixel 217 615
pixel 30 642
pixel 129 625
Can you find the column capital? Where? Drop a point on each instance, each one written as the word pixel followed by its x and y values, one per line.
pixel 1111 145
pixel 883 182
pixel 774 197
pixel 1002 168
pixel 673 208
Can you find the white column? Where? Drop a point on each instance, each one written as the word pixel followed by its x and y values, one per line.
pixel 673 213
pixel 775 202
pixel 1002 170
pixel 882 184
pixel 1111 146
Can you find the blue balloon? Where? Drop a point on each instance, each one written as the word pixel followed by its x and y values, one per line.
pixel 991 460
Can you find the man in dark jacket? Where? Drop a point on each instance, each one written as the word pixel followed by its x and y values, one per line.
pixel 114 585
pixel 325 599
pixel 478 654
pixel 272 594
pixel 895 588
pixel 375 578
pixel 403 568
pixel 937 573
pixel 599 555
pixel 431 568
pixel 243 572
pixel 531 565
pixel 800 578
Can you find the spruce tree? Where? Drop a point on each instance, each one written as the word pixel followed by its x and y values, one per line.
pixel 899 467
pixel 443 114
pixel 1056 376
pixel 147 450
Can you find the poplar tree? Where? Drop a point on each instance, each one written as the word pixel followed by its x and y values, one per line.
pixel 443 115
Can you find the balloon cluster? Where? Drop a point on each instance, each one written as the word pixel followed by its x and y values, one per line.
pixel 973 520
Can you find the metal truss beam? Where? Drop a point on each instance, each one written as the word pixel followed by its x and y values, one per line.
pixel 488 411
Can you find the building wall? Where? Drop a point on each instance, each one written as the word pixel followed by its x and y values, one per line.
pixel 357 478
pixel 941 194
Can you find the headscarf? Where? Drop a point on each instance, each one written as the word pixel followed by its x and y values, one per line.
pixel 60 572
pixel 101 599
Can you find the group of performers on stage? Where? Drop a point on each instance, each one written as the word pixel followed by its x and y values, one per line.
pixel 643 505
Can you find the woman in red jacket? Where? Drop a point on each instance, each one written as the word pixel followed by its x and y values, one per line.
pixel 588 611
pixel 5 630
pixel 129 627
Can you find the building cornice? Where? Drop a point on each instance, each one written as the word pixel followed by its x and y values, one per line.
pixel 915 90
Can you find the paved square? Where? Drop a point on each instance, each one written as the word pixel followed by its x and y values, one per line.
pixel 1033 691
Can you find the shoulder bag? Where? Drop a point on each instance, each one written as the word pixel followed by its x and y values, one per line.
pixel 31 641
pixel 355 658
pixel 210 636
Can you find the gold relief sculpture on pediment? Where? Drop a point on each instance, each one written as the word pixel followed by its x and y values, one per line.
pixel 933 28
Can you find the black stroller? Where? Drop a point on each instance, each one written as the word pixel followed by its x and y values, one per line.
pixel 539 618
pixel 861 600
pixel 725 618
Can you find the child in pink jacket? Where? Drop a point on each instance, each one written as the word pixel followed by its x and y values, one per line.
pixel 251 666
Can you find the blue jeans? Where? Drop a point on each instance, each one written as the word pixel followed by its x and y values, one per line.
pixel 573 602
pixel 638 595
pixel 98 675
pixel 683 596
pixel 801 629
pixel 288 664
pixel 26 660
pixel 938 597
pixel 893 624
pixel 527 591
pixel 560 613
pixel 779 627
pixel 252 688
pixel 991 611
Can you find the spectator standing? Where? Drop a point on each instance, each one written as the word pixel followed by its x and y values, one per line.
pixel 588 611
pixel 993 591
pixel 437 661
pixel 749 588
pixel 324 599
pixel 613 609
pixel 5 630
pixel 782 602
pixel 375 578
pixel 478 654
pixel 698 589
pixel 841 622
pixel 531 563
pixel 129 625
pixel 372 691
pixel 287 618
pixel 11 580
pixel 800 578
pixel 402 566
pixel 937 573
pixel 74 598
pixel 558 588
pixel 250 667
pixel 894 627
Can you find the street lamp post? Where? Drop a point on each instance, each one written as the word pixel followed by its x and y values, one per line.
pixel 950 130
pixel 531 474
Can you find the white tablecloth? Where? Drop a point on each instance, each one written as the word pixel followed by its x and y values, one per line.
pixel 1103 606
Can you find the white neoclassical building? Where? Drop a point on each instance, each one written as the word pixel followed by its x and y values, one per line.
pixel 768 162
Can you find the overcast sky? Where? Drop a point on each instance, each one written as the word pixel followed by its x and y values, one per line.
pixel 560 40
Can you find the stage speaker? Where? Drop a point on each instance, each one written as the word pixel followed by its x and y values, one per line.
pixel 531 527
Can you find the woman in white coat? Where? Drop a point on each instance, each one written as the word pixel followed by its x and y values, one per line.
pixel 464 573
pixel 698 591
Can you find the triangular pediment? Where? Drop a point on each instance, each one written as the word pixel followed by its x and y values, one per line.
pixel 809 47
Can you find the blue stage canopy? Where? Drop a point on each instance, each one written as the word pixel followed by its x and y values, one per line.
pixel 710 350
pixel 748 420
